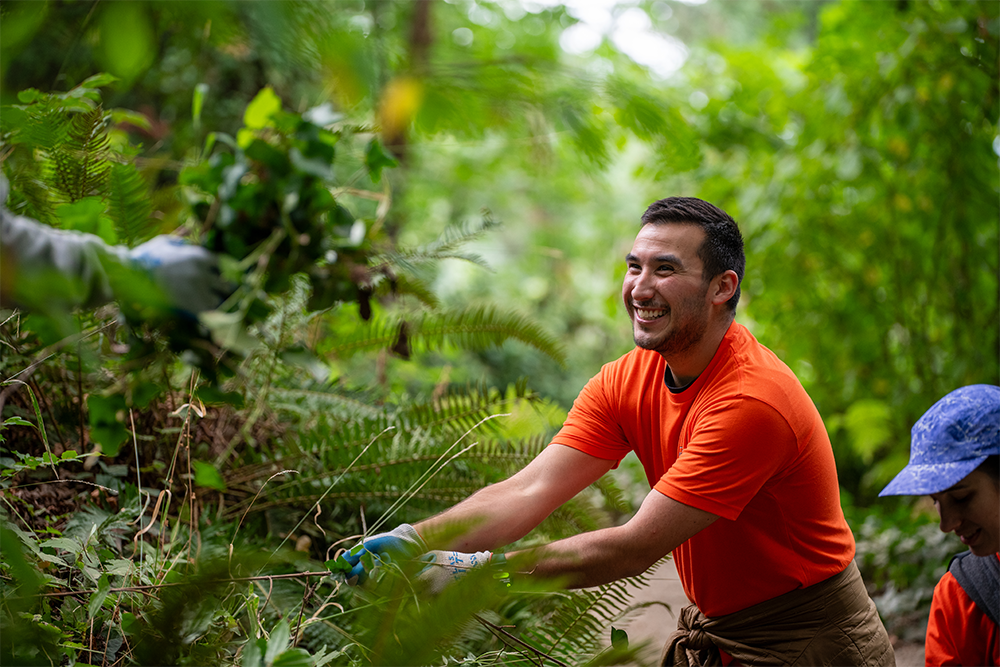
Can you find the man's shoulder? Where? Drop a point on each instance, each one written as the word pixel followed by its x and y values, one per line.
pixel 751 371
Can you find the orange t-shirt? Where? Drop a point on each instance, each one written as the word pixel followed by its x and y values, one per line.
pixel 958 632
pixel 743 441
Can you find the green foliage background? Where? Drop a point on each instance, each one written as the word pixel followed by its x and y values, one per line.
pixel 855 142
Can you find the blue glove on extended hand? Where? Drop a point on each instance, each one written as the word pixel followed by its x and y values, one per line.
pixel 400 543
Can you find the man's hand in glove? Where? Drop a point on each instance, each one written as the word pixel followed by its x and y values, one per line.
pixel 187 275
pixel 402 542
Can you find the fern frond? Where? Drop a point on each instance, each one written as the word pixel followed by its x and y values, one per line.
pixel 578 620
pixel 82 163
pixel 471 328
pixel 312 401
pixel 129 204
pixel 445 246
pixel 402 285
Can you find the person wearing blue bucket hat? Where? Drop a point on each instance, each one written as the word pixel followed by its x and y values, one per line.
pixel 955 458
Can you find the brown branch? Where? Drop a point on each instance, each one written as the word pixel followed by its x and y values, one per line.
pixel 147 587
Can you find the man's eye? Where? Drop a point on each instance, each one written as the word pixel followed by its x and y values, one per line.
pixel 962 499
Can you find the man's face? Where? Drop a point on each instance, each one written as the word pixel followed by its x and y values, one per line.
pixel 664 293
pixel 971 508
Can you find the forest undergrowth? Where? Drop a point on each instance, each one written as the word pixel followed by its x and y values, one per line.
pixel 177 492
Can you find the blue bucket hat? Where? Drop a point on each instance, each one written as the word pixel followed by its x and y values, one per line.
pixel 950 441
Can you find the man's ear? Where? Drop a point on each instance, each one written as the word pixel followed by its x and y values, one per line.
pixel 724 287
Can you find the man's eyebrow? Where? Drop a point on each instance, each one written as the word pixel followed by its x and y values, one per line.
pixel 659 259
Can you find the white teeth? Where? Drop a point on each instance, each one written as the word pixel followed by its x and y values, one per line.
pixel 649 314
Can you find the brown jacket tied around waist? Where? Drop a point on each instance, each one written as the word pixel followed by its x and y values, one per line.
pixel 832 623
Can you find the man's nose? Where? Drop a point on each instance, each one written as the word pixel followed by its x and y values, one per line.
pixel 642 287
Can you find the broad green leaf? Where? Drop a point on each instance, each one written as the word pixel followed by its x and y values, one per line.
pixel 261 108
pixel 619 638
pixel 65 543
pixel 253 653
pixel 205 474
pixel 278 642
pixel 294 657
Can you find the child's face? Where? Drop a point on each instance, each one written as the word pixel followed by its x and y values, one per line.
pixel 971 508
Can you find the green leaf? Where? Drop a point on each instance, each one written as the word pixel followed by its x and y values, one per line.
pixel 261 109
pixel 64 543
pixel 619 638
pixel 253 653
pixel 338 565
pixel 198 101
pixel 294 657
pixel 128 39
pixel 278 642
pixel 376 159
pixel 88 215
pixel 12 552
pixel 210 395
pixel 16 421
pixel 107 422
pixel 28 95
pixel 103 588
pixel 207 475
pixel 99 80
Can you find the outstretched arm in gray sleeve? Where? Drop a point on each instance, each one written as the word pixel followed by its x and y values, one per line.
pixel 44 269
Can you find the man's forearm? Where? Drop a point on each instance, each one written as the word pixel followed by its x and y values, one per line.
pixel 492 517
pixel 588 559
pixel 602 556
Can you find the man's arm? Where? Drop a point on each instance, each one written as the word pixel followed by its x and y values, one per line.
pixel 598 557
pixel 507 511
pixel 47 269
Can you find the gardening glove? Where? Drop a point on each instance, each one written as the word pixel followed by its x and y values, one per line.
pixel 187 275
pixel 400 543
pixel 444 567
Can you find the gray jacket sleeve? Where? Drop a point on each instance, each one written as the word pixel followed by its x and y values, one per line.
pixel 42 268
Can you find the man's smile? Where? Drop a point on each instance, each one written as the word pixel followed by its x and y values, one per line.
pixel 648 314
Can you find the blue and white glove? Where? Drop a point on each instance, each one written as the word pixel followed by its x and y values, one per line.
pixel 445 567
pixel 187 274
pixel 400 543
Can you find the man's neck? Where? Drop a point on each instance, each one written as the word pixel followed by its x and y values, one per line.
pixel 686 366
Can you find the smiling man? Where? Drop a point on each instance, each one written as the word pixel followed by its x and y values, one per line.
pixel 744 489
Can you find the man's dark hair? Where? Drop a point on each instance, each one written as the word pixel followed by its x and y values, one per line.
pixel 722 249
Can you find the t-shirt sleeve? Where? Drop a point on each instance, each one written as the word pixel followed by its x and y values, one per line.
pixel 592 426
pixel 947 623
pixel 736 448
